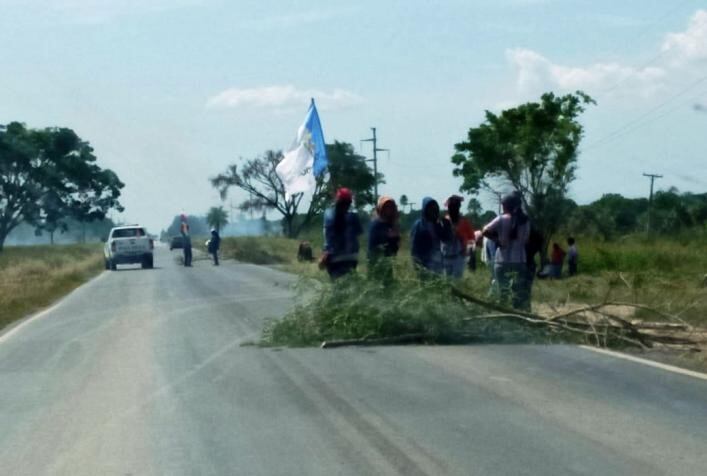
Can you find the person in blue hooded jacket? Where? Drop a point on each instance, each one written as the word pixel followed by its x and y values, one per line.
pixel 341 231
pixel 427 235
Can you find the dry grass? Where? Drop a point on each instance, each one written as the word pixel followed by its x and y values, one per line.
pixel 33 277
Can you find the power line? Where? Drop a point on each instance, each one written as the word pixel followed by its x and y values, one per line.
pixel 618 132
pixel 642 34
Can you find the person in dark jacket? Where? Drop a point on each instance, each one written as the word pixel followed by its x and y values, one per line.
pixel 427 235
pixel 383 239
pixel 186 239
pixel 341 231
pixel 214 245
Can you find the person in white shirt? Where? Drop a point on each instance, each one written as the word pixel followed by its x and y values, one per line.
pixel 510 232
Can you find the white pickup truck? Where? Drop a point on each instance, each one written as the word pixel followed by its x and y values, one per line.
pixel 128 245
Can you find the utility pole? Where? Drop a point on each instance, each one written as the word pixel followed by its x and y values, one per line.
pixel 650 197
pixel 499 197
pixel 374 139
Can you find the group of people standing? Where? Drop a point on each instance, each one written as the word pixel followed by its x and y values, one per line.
pixel 212 245
pixel 440 245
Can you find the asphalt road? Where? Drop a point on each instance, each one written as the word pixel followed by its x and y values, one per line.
pixel 142 372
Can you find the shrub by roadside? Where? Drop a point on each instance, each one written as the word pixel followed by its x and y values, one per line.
pixel 33 277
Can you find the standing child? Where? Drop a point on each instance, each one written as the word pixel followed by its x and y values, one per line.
pixel 557 259
pixel 572 256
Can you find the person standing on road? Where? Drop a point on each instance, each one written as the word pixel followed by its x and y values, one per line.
pixel 454 251
pixel 186 239
pixel 510 231
pixel 427 235
pixel 341 231
pixel 214 245
pixel 383 239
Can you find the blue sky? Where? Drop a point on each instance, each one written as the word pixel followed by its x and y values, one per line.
pixel 170 92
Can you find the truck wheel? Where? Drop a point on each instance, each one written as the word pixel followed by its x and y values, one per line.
pixel 147 262
pixel 107 264
pixel 113 266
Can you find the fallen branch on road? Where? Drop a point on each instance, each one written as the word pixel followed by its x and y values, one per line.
pixel 598 321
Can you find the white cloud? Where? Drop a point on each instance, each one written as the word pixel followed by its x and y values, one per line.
pixel 281 97
pixel 682 55
pixel 690 45
pixel 536 72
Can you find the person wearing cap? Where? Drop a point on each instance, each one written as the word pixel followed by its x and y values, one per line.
pixel 383 238
pixel 454 251
pixel 341 231
pixel 510 231
pixel 427 235
pixel 214 244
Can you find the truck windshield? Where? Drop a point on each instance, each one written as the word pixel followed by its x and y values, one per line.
pixel 128 233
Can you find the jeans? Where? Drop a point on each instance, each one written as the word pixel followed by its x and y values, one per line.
pixel 454 266
pixel 215 255
pixel 187 256
pixel 338 269
pixel 572 267
pixel 513 284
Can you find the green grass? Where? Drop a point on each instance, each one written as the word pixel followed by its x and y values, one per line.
pixel 666 273
pixel 33 277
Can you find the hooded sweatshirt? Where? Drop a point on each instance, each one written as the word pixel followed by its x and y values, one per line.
pixel 383 240
pixel 427 237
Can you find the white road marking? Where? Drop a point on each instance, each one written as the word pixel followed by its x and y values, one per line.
pixel 650 363
pixel 6 335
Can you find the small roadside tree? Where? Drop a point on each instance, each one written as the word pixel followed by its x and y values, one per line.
pixel 217 218
pixel 533 148
pixel 266 191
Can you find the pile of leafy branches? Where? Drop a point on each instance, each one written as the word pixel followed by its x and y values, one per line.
pixel 356 310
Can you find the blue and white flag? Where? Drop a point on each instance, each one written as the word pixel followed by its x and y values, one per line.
pixel 306 159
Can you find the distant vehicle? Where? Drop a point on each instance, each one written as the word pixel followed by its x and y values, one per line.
pixel 177 242
pixel 128 245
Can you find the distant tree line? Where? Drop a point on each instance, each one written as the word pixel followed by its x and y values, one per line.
pixel 614 215
pixel 74 231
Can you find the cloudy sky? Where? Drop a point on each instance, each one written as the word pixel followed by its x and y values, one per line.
pixel 170 92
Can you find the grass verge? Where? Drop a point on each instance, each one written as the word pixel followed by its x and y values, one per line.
pixel 666 274
pixel 33 277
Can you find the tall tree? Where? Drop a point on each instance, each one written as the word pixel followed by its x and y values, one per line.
pixel 266 191
pixel 217 218
pixel 49 175
pixel 404 201
pixel 531 147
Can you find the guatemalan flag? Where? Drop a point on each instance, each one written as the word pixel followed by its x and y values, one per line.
pixel 306 158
